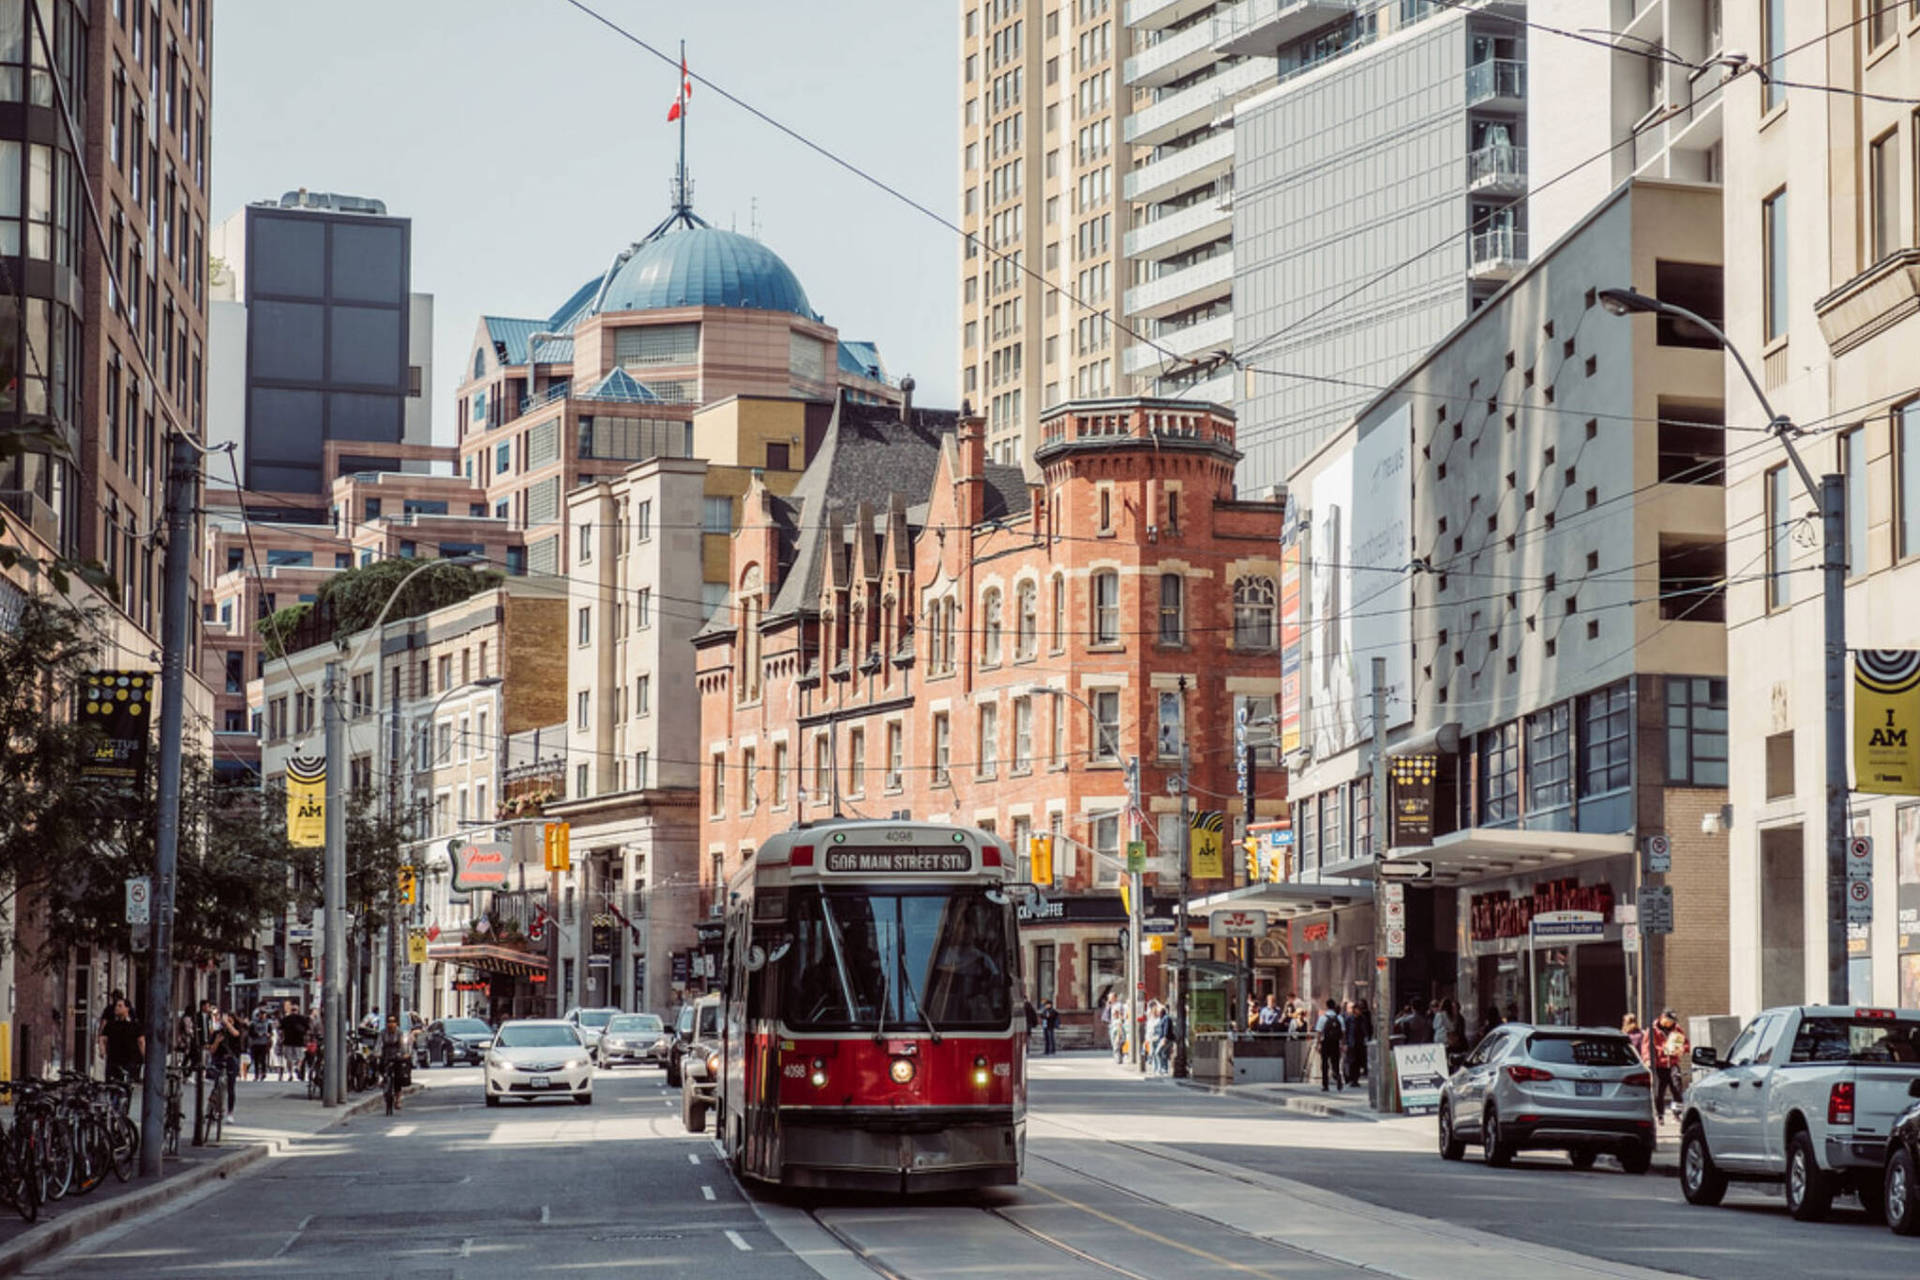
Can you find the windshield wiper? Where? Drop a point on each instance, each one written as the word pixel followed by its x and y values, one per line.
pixel 907 980
pixel 839 960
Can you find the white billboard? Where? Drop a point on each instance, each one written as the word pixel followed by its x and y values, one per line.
pixel 1361 593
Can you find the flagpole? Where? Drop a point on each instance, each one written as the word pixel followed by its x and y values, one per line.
pixel 683 203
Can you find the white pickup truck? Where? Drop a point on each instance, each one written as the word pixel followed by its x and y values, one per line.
pixel 1805 1096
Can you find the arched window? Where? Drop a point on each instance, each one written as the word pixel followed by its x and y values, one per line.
pixel 1026 623
pixel 747 613
pixel 949 625
pixel 1105 607
pixel 990 627
pixel 479 363
pixel 1253 621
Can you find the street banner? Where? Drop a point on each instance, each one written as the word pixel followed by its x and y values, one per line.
pixel 1422 1069
pixel 306 802
pixel 1886 721
pixel 1207 862
pixel 1412 779
pixel 119 704
pixel 1906 867
pixel 1290 646
pixel 416 946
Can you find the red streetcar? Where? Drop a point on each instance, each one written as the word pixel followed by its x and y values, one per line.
pixel 875 1036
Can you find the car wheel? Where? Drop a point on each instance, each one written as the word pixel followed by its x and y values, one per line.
pixel 1451 1147
pixel 1902 1194
pixel 693 1114
pixel 1636 1158
pixel 1582 1159
pixel 1870 1188
pixel 492 1100
pixel 1701 1181
pixel 1809 1191
pixel 673 1077
pixel 1494 1143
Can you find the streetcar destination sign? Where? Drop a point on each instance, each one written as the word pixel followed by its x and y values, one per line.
pixel 885 861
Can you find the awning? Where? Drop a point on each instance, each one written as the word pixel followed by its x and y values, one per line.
pixel 1284 901
pixel 503 960
pixel 1491 853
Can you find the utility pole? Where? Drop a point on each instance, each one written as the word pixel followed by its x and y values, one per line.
pixel 1183 978
pixel 1248 763
pixel 1136 912
pixel 183 475
pixel 1386 1090
pixel 333 1085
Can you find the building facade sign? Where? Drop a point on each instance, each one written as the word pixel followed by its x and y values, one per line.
pixel 1501 915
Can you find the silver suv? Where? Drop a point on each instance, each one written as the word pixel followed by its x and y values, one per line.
pixel 1582 1090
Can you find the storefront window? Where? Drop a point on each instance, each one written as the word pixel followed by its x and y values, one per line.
pixel 1697 732
pixel 1044 972
pixel 1333 836
pixel 1304 823
pixel 1104 972
pixel 1499 760
pixel 1606 728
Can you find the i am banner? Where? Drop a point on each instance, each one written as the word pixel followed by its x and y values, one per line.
pixel 306 803
pixel 1886 721
pixel 120 704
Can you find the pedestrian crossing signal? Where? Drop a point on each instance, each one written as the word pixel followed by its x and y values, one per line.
pixel 1040 859
pixel 559 848
pixel 409 887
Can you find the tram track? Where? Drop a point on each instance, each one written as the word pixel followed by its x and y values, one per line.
pixel 869 1257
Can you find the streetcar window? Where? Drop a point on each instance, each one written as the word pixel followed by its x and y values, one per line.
pixel 897 961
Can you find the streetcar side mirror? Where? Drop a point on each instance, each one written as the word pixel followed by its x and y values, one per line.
pixel 997 898
pixel 756 958
pixel 779 952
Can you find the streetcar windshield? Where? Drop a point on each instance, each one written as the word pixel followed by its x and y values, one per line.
pixel 863 961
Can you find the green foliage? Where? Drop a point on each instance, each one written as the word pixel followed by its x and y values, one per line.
pixel 277 626
pixel 356 597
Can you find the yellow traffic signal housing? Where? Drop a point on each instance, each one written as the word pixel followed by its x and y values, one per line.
pixel 559 851
pixel 409 887
pixel 1040 857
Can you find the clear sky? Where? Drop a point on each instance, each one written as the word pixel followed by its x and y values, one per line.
pixel 529 144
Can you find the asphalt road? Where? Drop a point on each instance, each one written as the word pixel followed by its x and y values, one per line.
pixel 1125 1178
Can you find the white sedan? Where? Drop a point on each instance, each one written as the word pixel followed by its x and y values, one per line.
pixel 543 1058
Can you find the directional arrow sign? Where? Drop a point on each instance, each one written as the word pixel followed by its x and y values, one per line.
pixel 1404 870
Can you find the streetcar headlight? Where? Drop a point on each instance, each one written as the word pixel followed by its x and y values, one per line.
pixel 901 1070
pixel 980 1072
pixel 818 1076
pixel 713 1065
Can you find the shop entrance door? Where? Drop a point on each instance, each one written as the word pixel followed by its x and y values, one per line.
pixel 1600 984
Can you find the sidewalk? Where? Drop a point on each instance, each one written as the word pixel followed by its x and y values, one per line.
pixel 269 1115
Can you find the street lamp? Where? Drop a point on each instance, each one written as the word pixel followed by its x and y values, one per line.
pixel 1829 496
pixel 1135 908
pixel 334 880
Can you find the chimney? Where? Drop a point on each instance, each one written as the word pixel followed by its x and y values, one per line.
pixel 971 466
pixel 906 400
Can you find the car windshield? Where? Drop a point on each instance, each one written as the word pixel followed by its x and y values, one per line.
pixel 1583 1051
pixel 512 1037
pixel 464 1027
pixel 635 1022
pixel 863 960
pixel 595 1017
pixel 1857 1039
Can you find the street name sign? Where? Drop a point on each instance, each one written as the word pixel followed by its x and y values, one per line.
pixel 1571 926
pixel 1656 908
pixel 1159 924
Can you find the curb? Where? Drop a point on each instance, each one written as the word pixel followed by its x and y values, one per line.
pixel 1305 1106
pixel 50 1237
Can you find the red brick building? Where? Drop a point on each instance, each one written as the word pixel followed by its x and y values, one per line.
pixel 919 631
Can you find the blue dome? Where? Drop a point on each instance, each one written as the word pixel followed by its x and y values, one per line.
pixel 705 267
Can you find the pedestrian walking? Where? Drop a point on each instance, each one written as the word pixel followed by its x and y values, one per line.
pixel 1670 1053
pixel 396 1055
pixel 1050 1027
pixel 260 1041
pixel 1329 1035
pixel 1353 1043
pixel 226 1040
pixel 1271 1016
pixel 1160 1036
pixel 294 1028
pixel 1636 1036
pixel 1114 1014
pixel 123 1046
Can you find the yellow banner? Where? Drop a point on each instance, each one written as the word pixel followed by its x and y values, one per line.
pixel 1207 864
pixel 416 946
pixel 306 803
pixel 1886 721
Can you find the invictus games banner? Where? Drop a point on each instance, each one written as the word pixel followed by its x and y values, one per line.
pixel 120 705
pixel 306 803
pixel 1886 721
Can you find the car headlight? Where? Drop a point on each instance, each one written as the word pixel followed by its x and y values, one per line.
pixel 576 1062
pixel 495 1060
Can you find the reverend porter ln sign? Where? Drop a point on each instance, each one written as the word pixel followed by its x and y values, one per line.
pixel 479 865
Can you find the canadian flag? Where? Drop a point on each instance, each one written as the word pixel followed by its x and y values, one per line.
pixel 686 91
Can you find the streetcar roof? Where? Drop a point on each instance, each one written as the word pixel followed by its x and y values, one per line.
pixel 868 842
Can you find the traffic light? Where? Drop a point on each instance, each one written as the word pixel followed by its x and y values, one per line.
pixel 558 848
pixel 409 887
pixel 1252 845
pixel 1040 857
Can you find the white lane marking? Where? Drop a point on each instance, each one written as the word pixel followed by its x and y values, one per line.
pixel 466 1247
pixel 287 1244
pixel 401 1130
pixel 546 1215
pixel 738 1243
pixel 706 1193
pixel 693 1158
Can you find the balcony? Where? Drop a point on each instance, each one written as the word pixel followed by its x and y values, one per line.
pixel 1261 26
pixel 1182 290
pixel 1197 106
pixel 1500 169
pixel 1215 334
pixel 34 512
pixel 1497 253
pixel 1156 15
pixel 1189 228
pixel 1181 170
pixel 1174 56
pixel 1499 83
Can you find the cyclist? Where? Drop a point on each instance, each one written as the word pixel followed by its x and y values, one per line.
pixel 396 1056
pixel 226 1040
pixel 122 1043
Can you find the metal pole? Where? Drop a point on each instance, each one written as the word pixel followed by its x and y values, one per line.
pixel 1235 1016
pixel 1183 977
pixel 1136 912
pixel 1833 528
pixel 182 499
pixel 1385 1087
pixel 333 1085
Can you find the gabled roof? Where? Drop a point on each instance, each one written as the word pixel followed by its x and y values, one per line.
pixel 512 333
pixel 1007 492
pixel 621 386
pixel 862 360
